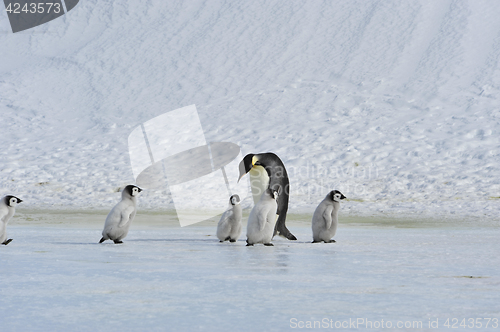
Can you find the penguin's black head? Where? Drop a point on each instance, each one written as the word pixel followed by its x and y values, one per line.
pixel 132 190
pixel 246 164
pixel 265 160
pixel 336 196
pixel 12 201
pixel 235 199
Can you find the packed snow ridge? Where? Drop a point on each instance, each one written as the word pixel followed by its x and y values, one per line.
pixel 393 103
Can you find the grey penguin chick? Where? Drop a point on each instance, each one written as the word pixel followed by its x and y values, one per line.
pixel 325 217
pixel 229 227
pixel 262 219
pixel 7 210
pixel 120 217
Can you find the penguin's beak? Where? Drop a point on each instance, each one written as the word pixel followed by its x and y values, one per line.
pixel 19 201
pixel 343 197
pixel 246 165
pixel 139 189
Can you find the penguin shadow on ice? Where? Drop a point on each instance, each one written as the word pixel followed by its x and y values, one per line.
pixel 229 226
pixel 325 218
pixel 121 216
pixel 262 219
pixel 7 210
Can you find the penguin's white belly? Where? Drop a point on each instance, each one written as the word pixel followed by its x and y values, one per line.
pixel 118 221
pixel 321 230
pixel 261 215
pixel 230 224
pixel 259 181
pixel 327 233
pixel 5 215
pixel 235 231
pixel 224 226
pixel 3 233
pixel 223 230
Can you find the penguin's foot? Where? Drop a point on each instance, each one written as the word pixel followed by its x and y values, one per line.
pixel 231 240
pixel 102 240
pixel 249 245
pixel 117 241
pixel 316 242
pixel 221 241
pixel 269 244
pixel 285 233
pixel 6 242
pixel 227 238
pixel 331 241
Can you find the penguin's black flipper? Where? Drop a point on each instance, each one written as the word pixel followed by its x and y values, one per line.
pixel 6 242
pixel 102 240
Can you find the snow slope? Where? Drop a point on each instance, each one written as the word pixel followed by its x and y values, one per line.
pixel 393 103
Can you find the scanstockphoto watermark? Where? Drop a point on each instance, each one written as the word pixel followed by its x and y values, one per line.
pixel 365 323
pixel 322 171
pixel 27 14
pixel 357 323
pixel 320 180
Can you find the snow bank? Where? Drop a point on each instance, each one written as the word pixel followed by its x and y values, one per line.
pixel 395 104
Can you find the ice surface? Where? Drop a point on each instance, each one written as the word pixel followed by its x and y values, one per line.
pixel 55 275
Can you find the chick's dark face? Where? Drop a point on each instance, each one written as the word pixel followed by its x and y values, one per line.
pixel 336 196
pixel 235 199
pixel 12 201
pixel 133 190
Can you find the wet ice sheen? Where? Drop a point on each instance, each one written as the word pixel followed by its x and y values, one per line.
pixel 165 277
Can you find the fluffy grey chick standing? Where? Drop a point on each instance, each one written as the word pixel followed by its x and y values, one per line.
pixel 229 227
pixel 262 219
pixel 325 217
pixel 7 210
pixel 120 217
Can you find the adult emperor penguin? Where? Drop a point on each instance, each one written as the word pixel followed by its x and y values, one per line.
pixel 229 227
pixel 268 171
pixel 7 210
pixel 325 217
pixel 262 219
pixel 120 217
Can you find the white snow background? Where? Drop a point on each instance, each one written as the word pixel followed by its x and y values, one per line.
pixel 393 103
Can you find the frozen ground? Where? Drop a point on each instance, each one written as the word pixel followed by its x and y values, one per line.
pixel 55 276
